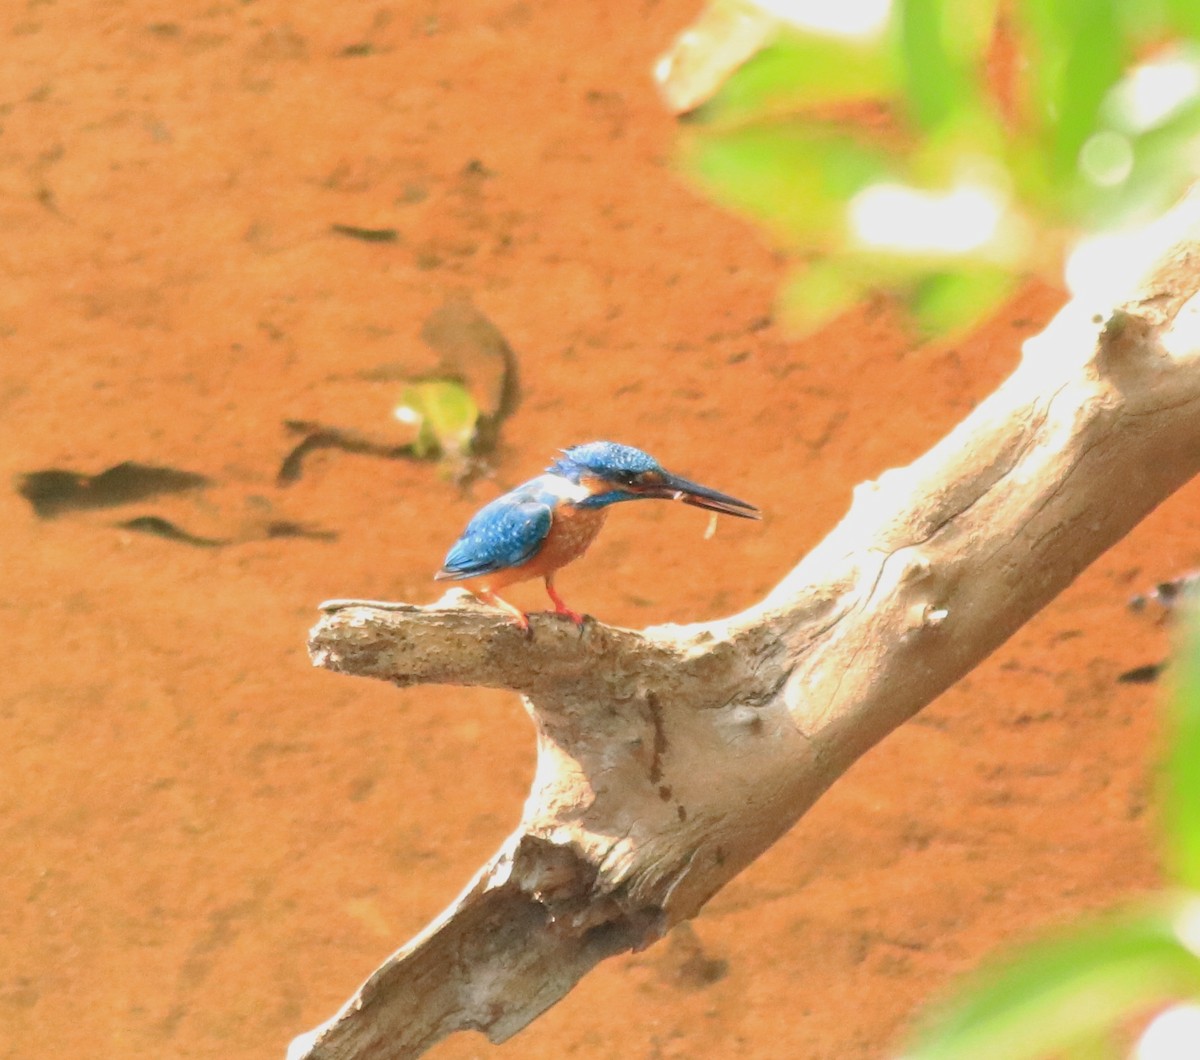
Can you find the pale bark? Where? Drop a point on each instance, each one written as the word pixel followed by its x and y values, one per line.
pixel 670 758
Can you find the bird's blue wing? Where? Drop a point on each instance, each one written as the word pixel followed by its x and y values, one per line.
pixel 503 534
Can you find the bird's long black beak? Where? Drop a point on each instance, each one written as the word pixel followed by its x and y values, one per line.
pixel 673 488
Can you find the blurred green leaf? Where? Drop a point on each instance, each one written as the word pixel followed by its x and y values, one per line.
pixel 1155 178
pixel 947 303
pixel 1184 17
pixel 942 45
pixel 798 72
pixel 932 78
pixel 1181 785
pixel 1016 98
pixel 1064 991
pixel 1044 42
pixel 1095 58
pixel 1097 1046
pixel 1158 177
pixel 1076 55
pixel 972 143
pixel 817 293
pixel 445 417
pixel 795 178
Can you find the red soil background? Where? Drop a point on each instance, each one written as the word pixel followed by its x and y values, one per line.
pixel 205 843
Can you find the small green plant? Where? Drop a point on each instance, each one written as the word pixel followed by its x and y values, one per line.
pixel 963 147
pixel 1073 994
pixel 445 416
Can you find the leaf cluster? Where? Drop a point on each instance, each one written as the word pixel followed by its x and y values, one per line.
pixel 1047 106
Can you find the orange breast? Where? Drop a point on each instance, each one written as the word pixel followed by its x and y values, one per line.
pixel 572 531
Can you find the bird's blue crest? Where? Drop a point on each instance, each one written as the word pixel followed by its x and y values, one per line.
pixel 603 459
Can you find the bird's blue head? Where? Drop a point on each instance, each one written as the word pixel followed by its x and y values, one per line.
pixel 614 472
pixel 608 461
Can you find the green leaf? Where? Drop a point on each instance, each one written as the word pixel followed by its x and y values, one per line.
pixel 1184 17
pixel 1095 59
pixel 768 145
pixel 1076 53
pixel 445 415
pixel 1145 24
pixel 951 302
pixel 798 72
pixel 1181 783
pixel 816 294
pixel 796 177
pixel 1164 161
pixel 1098 1046
pixel 1061 992
pixel 941 45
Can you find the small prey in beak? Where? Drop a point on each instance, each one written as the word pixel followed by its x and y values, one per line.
pixel 673 488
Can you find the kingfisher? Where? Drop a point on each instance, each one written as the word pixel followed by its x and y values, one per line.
pixel 544 524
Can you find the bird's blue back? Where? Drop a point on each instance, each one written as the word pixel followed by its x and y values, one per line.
pixel 504 533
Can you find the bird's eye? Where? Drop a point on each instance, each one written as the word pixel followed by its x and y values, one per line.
pixel 628 478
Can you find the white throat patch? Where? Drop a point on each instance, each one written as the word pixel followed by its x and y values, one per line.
pixel 565 489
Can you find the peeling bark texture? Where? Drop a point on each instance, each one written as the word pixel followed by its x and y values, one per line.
pixel 668 759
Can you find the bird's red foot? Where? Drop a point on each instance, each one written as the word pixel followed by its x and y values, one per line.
pixel 574 616
pixel 560 607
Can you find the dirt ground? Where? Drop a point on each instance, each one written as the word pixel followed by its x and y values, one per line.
pixel 205 844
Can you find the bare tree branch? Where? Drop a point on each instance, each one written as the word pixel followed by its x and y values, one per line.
pixel 669 759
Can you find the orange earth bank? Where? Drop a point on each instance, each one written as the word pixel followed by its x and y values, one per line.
pixel 206 843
